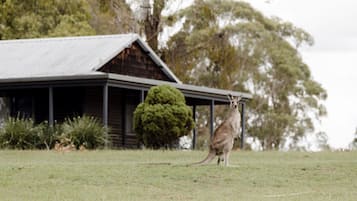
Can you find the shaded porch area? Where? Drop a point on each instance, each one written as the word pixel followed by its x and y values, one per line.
pixel 110 98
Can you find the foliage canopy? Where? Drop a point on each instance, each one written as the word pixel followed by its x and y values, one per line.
pixel 44 18
pixel 229 44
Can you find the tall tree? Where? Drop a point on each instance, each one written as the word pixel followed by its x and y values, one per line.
pixel 150 18
pixel 112 17
pixel 229 44
pixel 43 18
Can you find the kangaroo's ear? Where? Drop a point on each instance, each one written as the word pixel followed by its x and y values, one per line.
pixel 230 97
pixel 239 98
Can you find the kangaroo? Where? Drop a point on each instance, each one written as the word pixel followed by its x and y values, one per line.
pixel 223 137
pixel 65 145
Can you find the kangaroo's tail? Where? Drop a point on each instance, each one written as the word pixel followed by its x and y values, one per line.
pixel 211 155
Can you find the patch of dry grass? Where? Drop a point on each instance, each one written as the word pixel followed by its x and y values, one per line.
pixel 163 175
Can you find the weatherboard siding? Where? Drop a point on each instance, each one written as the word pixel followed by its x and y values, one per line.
pixel 134 61
pixel 117 113
pixel 115 116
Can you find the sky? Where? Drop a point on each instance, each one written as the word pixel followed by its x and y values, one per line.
pixel 332 59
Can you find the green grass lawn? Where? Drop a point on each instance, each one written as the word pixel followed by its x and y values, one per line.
pixel 163 175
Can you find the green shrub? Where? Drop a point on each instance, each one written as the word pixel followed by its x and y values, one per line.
pixel 162 118
pixel 19 133
pixel 85 130
pixel 49 135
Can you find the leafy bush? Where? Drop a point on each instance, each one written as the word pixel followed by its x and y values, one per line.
pixel 22 133
pixel 19 133
pixel 49 135
pixel 162 118
pixel 85 130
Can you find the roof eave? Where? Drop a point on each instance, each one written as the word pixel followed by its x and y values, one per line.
pixel 124 81
pixel 97 75
pixel 190 90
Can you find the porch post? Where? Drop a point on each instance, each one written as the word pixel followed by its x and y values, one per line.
pixel 50 106
pixel 211 118
pixel 142 96
pixel 194 128
pixel 142 99
pixel 105 105
pixel 123 119
pixel 105 109
pixel 242 125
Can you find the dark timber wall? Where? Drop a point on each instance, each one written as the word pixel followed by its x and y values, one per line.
pixel 115 116
pixel 121 106
pixel 93 102
pixel 68 102
pixel 135 62
pixel 29 103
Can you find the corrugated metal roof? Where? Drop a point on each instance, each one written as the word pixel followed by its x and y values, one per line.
pixel 78 58
pixel 66 56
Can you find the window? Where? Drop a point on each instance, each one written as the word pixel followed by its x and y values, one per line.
pixel 129 121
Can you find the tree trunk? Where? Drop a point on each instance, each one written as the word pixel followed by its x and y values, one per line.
pixel 152 22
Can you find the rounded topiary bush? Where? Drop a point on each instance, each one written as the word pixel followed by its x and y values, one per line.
pixel 162 118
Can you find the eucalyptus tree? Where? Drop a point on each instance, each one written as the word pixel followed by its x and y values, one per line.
pixel 112 17
pixel 231 45
pixel 150 19
pixel 44 18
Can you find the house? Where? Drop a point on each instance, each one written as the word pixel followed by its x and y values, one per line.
pixel 107 76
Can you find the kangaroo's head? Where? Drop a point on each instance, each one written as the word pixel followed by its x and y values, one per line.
pixel 234 101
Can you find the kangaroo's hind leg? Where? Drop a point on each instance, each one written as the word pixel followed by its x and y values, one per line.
pixel 226 156
pixel 220 158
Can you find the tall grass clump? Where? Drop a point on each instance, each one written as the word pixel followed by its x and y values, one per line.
pixel 49 135
pixel 19 133
pixel 86 131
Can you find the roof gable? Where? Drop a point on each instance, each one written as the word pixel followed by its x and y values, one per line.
pixel 135 61
pixel 67 56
